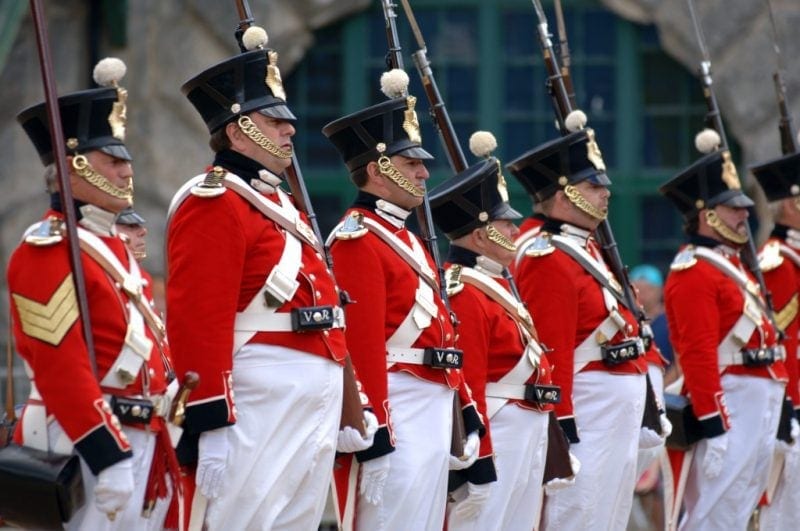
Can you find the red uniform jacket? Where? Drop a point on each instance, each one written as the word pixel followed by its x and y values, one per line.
pixel 49 337
pixel 782 276
pixel 382 286
pixel 219 253
pixel 567 305
pixel 702 305
pixel 493 344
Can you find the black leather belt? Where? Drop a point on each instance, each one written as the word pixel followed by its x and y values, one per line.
pixel 761 357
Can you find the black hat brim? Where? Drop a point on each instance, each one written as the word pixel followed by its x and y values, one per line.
pixel 505 211
pixel 116 150
pixel 280 112
pixel 130 217
pixel 600 178
pixel 732 198
pixel 415 152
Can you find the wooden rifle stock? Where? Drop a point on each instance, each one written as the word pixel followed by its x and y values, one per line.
pixel 557 463
pixel 788 139
pixel 177 412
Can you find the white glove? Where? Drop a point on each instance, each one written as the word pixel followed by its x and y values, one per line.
pixel 470 453
pixel 212 457
pixel 373 478
pixel 649 439
pixel 666 426
pixel 350 439
pixel 471 506
pixel 561 483
pixel 716 448
pixel 114 487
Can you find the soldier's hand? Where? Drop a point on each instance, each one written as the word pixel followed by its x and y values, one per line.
pixel 716 448
pixel 561 483
pixel 114 487
pixel 649 439
pixel 350 439
pixel 477 494
pixel 213 450
pixel 373 478
pixel 470 453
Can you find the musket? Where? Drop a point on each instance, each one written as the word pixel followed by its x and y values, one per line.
pixel 562 105
pixel 714 121
pixel 394 59
pixel 563 45
pixel 352 411
pixel 788 139
pixel 65 188
pixel 439 114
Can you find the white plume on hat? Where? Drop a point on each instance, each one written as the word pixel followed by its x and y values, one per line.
pixel 575 121
pixel 109 71
pixel 482 143
pixel 707 141
pixel 394 83
pixel 255 37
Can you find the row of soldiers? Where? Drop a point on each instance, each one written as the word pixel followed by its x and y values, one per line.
pixel 271 318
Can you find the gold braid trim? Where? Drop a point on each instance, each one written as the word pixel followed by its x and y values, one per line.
pixel 249 128
pixel 500 239
pixel 389 171
pixel 577 199
pixel 722 229
pixel 84 170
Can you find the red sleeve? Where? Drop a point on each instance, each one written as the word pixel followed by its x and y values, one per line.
pixel 365 332
pixel 547 287
pixel 692 305
pixel 206 251
pixel 783 283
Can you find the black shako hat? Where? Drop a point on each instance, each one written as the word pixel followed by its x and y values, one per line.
pixel 237 86
pixel 471 199
pixel 710 181
pixel 356 136
pixel 553 165
pixel 130 217
pixel 779 178
pixel 86 122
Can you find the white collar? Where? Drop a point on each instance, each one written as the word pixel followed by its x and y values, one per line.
pixel 487 266
pixel 267 182
pixel 576 233
pixel 793 238
pixel 392 213
pixel 97 220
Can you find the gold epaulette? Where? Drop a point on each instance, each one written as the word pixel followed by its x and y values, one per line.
pixel 683 260
pixel 48 232
pixel 212 185
pixel 352 227
pixel 770 256
pixel 452 279
pixel 540 246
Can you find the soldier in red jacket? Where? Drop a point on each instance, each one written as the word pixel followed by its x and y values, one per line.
pixel 780 262
pixel 596 352
pixel 399 331
pixel 732 364
pixel 253 308
pixel 504 364
pixel 115 418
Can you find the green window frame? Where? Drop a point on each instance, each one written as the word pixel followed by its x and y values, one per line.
pixel 488 67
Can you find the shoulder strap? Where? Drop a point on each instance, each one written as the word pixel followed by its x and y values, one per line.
pixel 790 253
pixel 590 265
pixel 495 291
pixel 400 247
pixel 738 276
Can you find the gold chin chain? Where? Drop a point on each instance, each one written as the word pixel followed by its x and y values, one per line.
pixel 500 239
pixel 249 128
pixel 389 171
pixel 722 229
pixel 84 169
pixel 577 199
pixel 796 202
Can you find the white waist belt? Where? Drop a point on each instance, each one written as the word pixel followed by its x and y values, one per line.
pixel 415 356
pixel 253 321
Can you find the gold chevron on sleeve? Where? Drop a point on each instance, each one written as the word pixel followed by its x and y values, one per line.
pixel 49 322
pixel 784 317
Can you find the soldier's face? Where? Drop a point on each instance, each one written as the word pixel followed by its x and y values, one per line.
pixel 595 194
pixel 497 252
pixel 119 173
pixel 415 171
pixel 134 237
pixel 280 132
pixel 734 217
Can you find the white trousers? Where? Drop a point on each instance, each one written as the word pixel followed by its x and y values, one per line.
pixel 89 518
pixel 727 501
pixel 283 443
pixel 415 494
pixel 608 411
pixel 648 455
pixel 519 440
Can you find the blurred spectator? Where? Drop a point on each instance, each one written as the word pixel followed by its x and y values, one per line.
pixel 649 283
